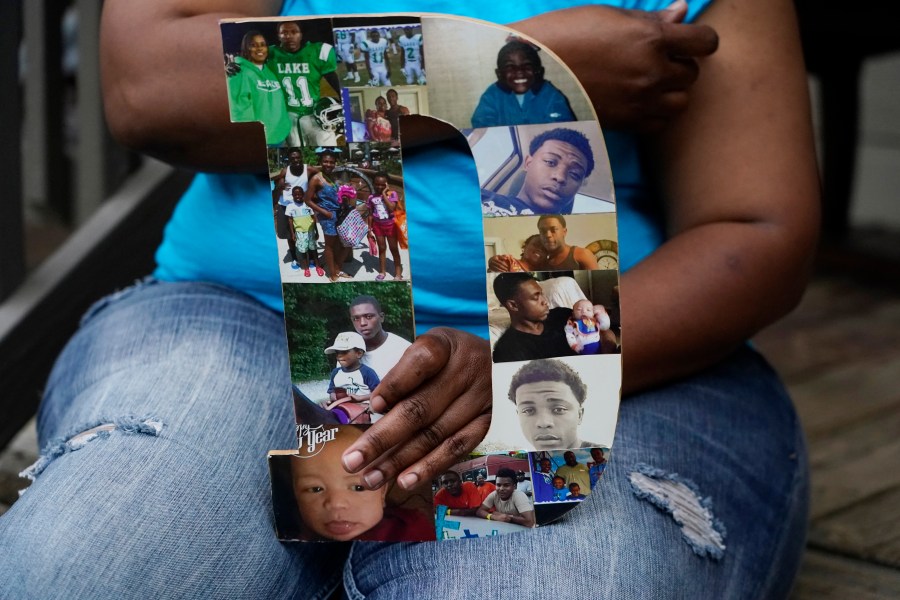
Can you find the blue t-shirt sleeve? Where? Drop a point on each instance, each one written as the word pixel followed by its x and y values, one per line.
pixel 370 377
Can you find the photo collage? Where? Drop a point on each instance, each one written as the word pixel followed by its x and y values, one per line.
pixel 330 93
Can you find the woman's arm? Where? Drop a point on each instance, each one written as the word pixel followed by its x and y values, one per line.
pixel 734 161
pixel 164 82
pixel 649 59
pixel 738 177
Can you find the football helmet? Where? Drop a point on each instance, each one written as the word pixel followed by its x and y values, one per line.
pixel 329 114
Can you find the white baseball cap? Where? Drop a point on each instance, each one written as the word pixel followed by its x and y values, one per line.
pixel 347 340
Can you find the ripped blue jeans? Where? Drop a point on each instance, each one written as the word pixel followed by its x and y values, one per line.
pixel 182 388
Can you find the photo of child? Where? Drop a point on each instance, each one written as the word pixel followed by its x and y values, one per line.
pixel 583 328
pixel 382 205
pixel 521 95
pixel 575 492
pixel 315 499
pixel 351 381
pixel 560 491
pixel 330 238
pixel 334 504
pixel 565 475
pixel 303 226
pixel 497 77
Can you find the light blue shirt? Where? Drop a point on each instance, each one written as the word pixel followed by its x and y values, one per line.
pixel 222 229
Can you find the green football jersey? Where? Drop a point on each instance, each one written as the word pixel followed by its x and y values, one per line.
pixel 300 73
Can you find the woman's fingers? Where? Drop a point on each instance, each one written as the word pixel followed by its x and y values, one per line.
pixel 437 399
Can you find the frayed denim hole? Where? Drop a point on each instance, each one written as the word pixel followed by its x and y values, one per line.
pixel 82 436
pixel 680 498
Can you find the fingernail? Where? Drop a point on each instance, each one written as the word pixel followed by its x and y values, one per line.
pixel 408 480
pixel 353 460
pixel 376 402
pixel 373 478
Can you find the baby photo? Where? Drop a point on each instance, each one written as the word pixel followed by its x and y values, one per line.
pixel 550 315
pixel 315 499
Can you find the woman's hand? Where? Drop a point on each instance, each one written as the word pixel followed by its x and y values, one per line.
pixel 637 66
pixel 438 404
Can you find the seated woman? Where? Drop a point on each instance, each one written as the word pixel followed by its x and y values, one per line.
pixel 191 371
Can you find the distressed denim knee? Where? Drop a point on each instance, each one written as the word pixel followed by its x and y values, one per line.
pixel 153 472
pixel 704 496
